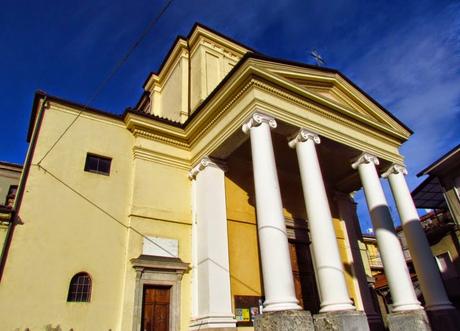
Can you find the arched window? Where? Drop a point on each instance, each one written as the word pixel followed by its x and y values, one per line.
pixel 80 288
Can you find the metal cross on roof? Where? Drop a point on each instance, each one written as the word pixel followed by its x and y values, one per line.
pixel 319 60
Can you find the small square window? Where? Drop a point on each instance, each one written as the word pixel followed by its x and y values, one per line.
pixel 98 164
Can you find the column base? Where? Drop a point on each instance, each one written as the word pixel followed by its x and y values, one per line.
pixel 341 321
pixel 409 320
pixel 444 320
pixel 286 320
pixel 221 323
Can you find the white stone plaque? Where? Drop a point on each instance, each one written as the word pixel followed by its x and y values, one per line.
pixel 156 246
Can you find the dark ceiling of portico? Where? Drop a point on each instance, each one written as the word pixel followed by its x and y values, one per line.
pixel 335 160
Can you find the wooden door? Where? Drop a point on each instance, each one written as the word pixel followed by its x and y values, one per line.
pixel 304 276
pixel 155 308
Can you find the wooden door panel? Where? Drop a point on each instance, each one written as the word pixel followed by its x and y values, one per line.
pixel 155 308
pixel 148 317
pixel 304 276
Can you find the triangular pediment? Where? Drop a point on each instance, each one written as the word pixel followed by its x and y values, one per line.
pixel 334 94
pixel 333 90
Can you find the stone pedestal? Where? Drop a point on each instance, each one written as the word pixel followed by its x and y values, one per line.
pixel 444 320
pixel 286 320
pixel 409 320
pixel 341 321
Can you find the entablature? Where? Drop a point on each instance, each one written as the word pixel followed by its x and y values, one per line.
pixel 252 87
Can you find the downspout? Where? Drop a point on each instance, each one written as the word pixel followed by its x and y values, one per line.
pixel 20 192
pixel 189 110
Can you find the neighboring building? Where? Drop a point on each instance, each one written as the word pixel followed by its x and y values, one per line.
pixel 440 191
pixel 9 181
pixel 376 275
pixel 175 216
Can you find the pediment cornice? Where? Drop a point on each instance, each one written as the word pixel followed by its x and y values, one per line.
pixel 254 86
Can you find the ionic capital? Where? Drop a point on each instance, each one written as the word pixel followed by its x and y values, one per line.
pixel 302 136
pixel 203 164
pixel 395 169
pixel 365 158
pixel 257 119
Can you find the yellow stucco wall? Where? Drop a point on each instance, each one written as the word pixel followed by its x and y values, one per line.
pixel 242 230
pixel 66 231
pixel 79 221
pixel 174 91
pixel 245 274
pixel 446 244
pixel 210 62
pixel 161 204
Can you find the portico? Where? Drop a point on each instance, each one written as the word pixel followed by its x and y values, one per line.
pixel 299 145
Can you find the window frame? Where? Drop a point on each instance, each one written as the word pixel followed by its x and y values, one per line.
pixel 72 295
pixel 99 158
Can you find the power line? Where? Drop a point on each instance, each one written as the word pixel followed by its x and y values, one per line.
pixel 129 227
pixel 81 195
pixel 112 73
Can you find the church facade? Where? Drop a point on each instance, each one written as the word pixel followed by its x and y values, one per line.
pixel 222 197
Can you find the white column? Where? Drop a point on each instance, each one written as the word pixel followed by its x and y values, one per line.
pixel 394 264
pixel 273 242
pixel 425 266
pixel 329 268
pixel 214 305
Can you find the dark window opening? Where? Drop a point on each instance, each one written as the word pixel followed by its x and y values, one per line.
pixel 11 196
pixel 98 164
pixel 80 288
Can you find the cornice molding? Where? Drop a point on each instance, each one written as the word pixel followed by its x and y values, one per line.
pixel 333 79
pixel 161 158
pixel 201 33
pixel 179 49
pixel 160 138
pixel 252 79
pixel 299 90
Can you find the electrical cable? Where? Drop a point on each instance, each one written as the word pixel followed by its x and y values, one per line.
pixel 112 73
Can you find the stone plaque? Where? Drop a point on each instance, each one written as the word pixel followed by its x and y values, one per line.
pixel 156 246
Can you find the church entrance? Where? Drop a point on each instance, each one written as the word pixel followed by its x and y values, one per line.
pixel 155 308
pixel 304 276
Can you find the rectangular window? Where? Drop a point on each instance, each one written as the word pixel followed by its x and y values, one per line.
pixel 98 164
pixel 446 266
pixel 11 195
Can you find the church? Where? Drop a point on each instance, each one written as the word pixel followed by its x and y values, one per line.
pixel 223 200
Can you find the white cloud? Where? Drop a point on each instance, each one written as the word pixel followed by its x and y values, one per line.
pixel 414 72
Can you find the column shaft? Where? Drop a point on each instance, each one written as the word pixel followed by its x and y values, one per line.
pixel 329 268
pixel 214 304
pixel 273 242
pixel 427 271
pixel 394 264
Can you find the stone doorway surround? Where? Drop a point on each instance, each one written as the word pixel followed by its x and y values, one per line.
pixel 162 271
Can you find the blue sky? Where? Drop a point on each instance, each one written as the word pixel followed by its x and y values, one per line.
pixel 406 54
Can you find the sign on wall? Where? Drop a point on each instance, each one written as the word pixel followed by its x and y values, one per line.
pixel 247 308
pixel 156 246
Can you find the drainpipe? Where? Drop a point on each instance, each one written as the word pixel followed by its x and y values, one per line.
pixel 20 192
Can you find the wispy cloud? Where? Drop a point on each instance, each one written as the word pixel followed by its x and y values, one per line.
pixel 414 71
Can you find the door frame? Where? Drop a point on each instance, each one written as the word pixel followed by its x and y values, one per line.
pixel 158 271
